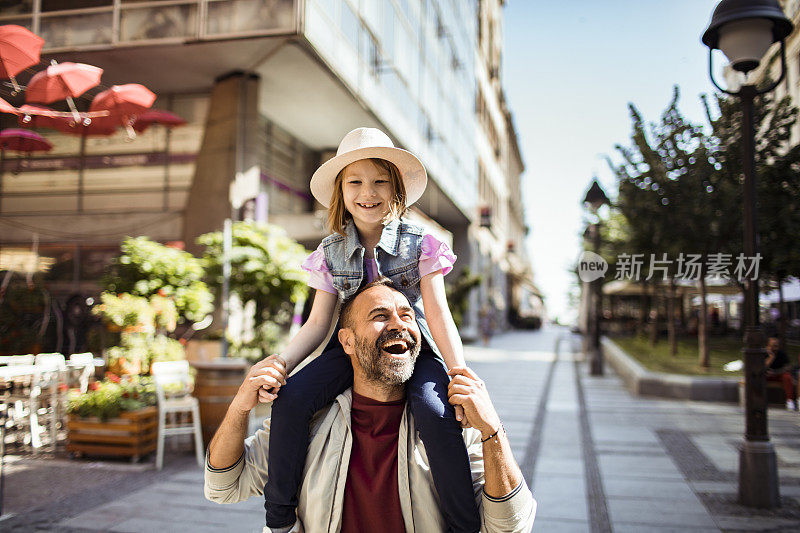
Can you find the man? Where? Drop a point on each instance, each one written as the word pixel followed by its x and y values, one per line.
pixel 777 365
pixel 366 468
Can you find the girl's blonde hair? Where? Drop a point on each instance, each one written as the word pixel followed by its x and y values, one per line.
pixel 338 215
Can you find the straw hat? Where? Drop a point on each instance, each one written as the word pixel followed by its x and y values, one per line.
pixel 366 143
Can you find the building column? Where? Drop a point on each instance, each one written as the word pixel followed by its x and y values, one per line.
pixel 229 158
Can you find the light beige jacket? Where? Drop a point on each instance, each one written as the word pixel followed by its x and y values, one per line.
pixel 322 493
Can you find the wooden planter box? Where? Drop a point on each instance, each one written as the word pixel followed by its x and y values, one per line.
pixel 132 434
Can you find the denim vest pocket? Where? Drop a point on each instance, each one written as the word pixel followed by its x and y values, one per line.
pixel 346 284
pixel 406 278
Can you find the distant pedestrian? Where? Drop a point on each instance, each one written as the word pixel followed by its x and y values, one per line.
pixel 778 369
pixel 486 323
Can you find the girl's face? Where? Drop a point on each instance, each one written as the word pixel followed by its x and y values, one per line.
pixel 367 191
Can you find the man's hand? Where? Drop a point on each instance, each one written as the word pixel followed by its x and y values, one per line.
pixel 261 384
pixel 468 391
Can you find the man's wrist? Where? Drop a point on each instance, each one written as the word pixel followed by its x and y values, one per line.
pixel 491 433
pixel 238 408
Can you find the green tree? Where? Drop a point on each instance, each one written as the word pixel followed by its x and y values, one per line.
pixel 265 269
pixel 147 268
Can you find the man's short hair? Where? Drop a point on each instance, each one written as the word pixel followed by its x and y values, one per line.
pixel 347 306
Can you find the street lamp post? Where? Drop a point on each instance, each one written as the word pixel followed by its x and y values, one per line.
pixel 744 30
pixel 595 198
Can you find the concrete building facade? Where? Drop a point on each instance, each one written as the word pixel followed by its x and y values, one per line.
pixel 268 88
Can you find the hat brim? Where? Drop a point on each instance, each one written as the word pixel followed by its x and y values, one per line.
pixel 412 171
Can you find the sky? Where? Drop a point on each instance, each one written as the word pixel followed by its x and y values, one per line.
pixel 569 71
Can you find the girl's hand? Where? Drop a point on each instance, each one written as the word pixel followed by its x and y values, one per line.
pixel 272 377
pixel 467 390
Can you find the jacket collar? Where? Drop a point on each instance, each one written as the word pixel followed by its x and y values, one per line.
pixel 389 242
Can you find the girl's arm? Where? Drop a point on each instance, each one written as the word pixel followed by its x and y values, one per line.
pixel 313 332
pixel 444 331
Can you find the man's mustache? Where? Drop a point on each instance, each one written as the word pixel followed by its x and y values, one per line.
pixel 396 335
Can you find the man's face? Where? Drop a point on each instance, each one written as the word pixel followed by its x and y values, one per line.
pixel 383 336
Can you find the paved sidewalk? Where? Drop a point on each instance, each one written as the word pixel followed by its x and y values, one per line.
pixel 597 458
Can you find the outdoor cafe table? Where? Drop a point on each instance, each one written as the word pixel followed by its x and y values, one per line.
pixel 18 371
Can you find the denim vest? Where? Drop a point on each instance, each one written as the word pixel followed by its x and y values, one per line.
pixel 396 255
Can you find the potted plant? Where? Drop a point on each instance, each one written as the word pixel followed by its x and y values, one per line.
pixel 116 417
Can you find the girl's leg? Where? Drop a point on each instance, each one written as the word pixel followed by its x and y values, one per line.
pixel 434 418
pixel 304 394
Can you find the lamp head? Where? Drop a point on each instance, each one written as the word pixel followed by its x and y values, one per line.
pixel 596 197
pixel 745 29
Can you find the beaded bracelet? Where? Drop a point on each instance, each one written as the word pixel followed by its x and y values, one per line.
pixel 495 433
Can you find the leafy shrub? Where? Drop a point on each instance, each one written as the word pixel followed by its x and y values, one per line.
pixel 112 397
pixel 147 268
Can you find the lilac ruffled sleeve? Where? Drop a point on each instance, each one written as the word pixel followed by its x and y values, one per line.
pixel 435 255
pixel 315 265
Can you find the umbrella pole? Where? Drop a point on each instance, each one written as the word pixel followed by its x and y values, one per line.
pixel 166 169
pixel 75 115
pixel 80 173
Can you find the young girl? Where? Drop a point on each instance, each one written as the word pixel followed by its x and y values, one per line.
pixel 367 188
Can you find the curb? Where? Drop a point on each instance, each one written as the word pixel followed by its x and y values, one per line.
pixel 643 382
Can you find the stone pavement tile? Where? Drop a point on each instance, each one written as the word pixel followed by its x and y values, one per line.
pixel 638 466
pixel 192 476
pixel 714 486
pixel 608 432
pixel 99 519
pixel 657 513
pixel 760 523
pixel 639 528
pixel 719 450
pixel 559 465
pixel 562 497
pixel 139 525
pixel 548 525
pixel 648 489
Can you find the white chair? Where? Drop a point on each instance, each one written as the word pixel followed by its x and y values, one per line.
pixel 84 364
pixel 51 375
pixel 167 374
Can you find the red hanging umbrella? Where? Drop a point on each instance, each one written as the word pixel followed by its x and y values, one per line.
pixel 23 141
pixel 5 107
pixel 19 49
pixel 157 116
pixel 124 101
pixel 98 126
pixel 20 141
pixel 63 81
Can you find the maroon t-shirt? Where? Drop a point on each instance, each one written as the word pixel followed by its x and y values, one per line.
pixel 371 495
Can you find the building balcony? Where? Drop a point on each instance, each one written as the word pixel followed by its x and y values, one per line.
pixel 77 25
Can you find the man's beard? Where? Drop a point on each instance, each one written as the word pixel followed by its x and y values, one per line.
pixel 379 367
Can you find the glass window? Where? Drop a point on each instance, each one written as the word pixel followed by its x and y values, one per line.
pixel 350 25
pixel 235 16
pixel 76 30
pixel 158 22
pixel 387 28
pixel 63 5
pixel 15 7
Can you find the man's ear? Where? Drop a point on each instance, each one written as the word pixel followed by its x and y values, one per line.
pixel 347 338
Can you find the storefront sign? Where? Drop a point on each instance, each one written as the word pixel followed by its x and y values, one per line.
pixel 44 164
